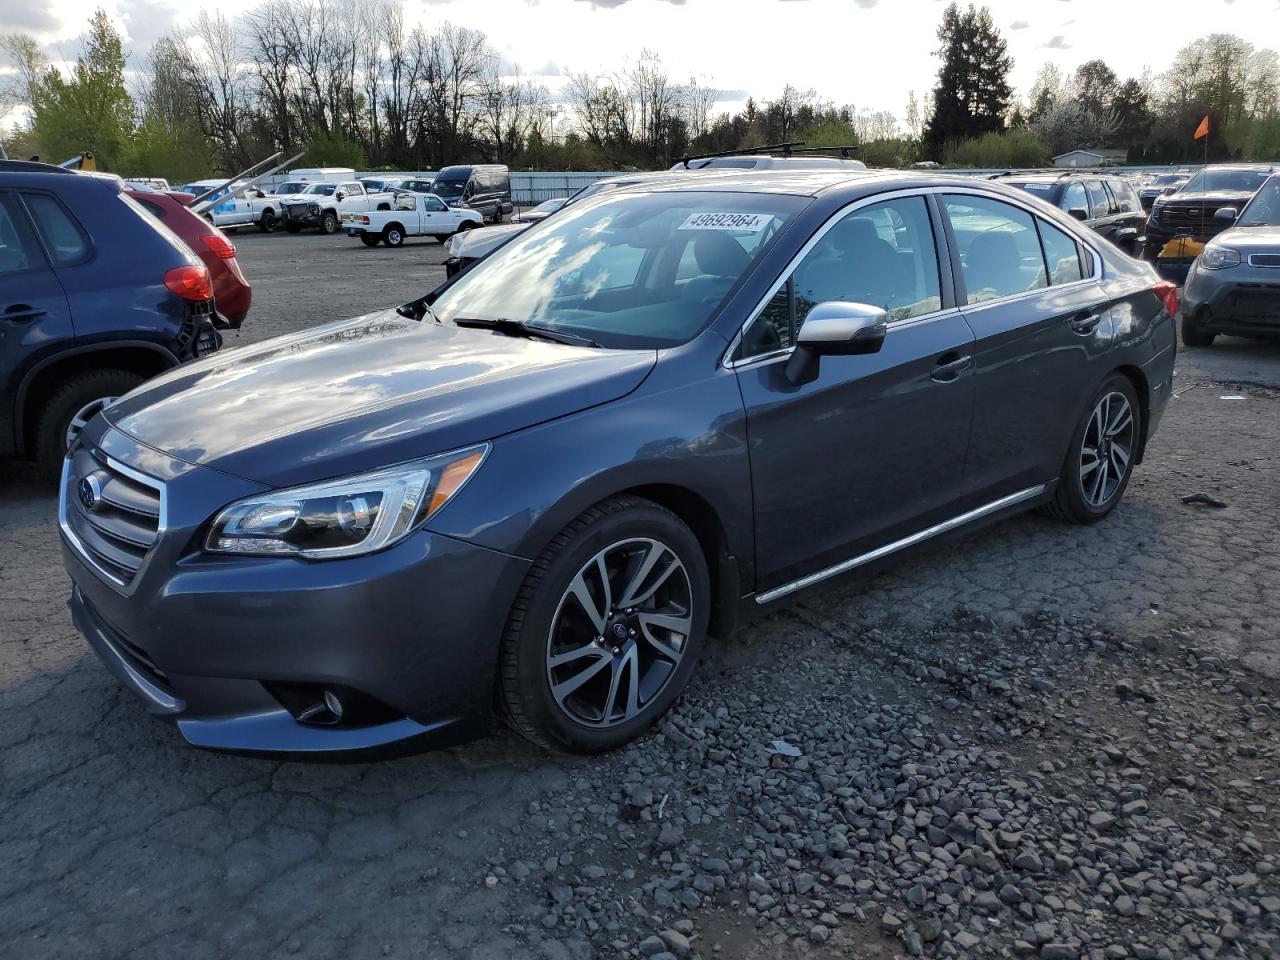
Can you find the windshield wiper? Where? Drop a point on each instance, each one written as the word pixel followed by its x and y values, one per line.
pixel 518 328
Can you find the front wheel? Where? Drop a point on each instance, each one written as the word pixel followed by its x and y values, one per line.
pixel 607 628
pixel 497 215
pixel 1193 334
pixel 1100 460
pixel 267 224
pixel 70 408
pixel 329 222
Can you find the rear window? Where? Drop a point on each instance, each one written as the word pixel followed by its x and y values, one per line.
pixel 66 241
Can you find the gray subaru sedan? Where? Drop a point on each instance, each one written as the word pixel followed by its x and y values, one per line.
pixel 538 490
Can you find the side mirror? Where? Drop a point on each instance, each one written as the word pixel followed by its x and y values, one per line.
pixel 1226 214
pixel 340 195
pixel 1080 213
pixel 836 328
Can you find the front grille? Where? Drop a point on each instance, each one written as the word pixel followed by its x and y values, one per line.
pixel 1256 302
pixel 1194 218
pixel 1264 260
pixel 112 515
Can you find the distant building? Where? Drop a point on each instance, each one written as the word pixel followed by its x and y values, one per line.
pixel 1091 158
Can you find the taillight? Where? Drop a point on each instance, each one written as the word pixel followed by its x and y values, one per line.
pixel 1168 294
pixel 190 282
pixel 221 247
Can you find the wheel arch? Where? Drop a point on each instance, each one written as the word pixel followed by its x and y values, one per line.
pixel 1142 388
pixel 140 357
pixel 397 225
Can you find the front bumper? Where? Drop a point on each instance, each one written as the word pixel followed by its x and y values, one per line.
pixel 302 216
pixel 1241 299
pixel 212 643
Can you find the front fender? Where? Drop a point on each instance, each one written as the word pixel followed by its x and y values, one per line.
pixel 691 437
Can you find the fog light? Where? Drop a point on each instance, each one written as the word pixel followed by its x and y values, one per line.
pixel 333 704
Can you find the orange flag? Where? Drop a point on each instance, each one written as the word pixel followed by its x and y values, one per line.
pixel 1202 131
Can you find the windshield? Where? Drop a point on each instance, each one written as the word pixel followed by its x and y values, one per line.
pixel 292 186
pixel 448 189
pixel 1226 181
pixel 1165 179
pixel 627 270
pixel 1264 209
pixel 324 188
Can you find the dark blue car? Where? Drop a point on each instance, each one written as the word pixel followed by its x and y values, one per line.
pixel 661 411
pixel 95 297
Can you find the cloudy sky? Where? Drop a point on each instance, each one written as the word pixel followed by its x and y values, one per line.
pixel 869 53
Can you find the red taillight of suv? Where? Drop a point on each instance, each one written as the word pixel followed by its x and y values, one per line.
pixel 1168 293
pixel 190 282
pixel 220 246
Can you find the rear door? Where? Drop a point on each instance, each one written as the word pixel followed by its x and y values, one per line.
pixel 1043 329
pixel 35 317
pixel 874 448
pixel 1128 218
pixel 1101 211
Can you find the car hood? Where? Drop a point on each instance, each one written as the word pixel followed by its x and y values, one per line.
pixel 364 393
pixel 1256 239
pixel 1222 198
pixel 474 244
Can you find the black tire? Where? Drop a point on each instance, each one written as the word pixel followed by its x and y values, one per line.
pixel 291 227
pixel 1193 334
pixel 526 693
pixel 497 214
pixel 464 226
pixel 370 239
pixel 54 419
pixel 393 235
pixel 267 222
pixel 329 222
pixel 1070 502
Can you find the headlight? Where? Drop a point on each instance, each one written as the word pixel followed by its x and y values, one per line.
pixel 344 518
pixel 1219 258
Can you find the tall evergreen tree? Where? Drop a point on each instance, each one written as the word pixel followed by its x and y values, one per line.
pixel 972 93
pixel 92 110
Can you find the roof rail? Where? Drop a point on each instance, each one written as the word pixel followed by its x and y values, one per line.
pixel 30 166
pixel 845 151
pixel 786 149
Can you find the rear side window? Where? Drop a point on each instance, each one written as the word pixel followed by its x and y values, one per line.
pixel 153 208
pixel 18 250
pixel 1098 198
pixel 1061 254
pixel 1126 200
pixel 67 243
pixel 999 248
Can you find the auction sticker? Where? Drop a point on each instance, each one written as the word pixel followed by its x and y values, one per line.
pixel 750 222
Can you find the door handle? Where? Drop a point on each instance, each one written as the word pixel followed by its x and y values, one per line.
pixel 22 312
pixel 1086 323
pixel 950 366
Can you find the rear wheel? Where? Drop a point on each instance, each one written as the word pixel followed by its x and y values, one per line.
pixel 607 628
pixel 393 235
pixel 370 239
pixel 70 408
pixel 1193 334
pixel 1100 461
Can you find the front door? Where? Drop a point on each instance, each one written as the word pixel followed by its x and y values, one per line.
pixel 1042 327
pixel 874 448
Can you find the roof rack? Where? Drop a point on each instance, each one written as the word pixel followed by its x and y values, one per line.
pixel 785 148
pixel 30 166
pixel 845 151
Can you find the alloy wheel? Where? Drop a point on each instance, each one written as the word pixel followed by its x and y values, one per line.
pixel 1106 452
pixel 619 632
pixel 81 417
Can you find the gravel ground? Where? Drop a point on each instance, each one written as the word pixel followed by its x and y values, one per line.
pixel 1040 741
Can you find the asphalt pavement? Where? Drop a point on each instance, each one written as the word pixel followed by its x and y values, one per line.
pixel 120 841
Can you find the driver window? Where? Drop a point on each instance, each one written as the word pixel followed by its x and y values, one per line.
pixel 433 203
pixel 883 255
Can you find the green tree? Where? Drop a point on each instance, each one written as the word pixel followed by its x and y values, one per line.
pixel 1096 86
pixel 972 94
pixel 91 110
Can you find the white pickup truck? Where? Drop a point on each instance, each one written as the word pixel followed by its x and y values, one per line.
pixel 247 208
pixel 323 205
pixel 413 215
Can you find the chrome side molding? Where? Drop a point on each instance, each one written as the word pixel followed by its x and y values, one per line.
pixel 945 526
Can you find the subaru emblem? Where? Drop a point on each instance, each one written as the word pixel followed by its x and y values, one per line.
pixel 620 631
pixel 90 491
